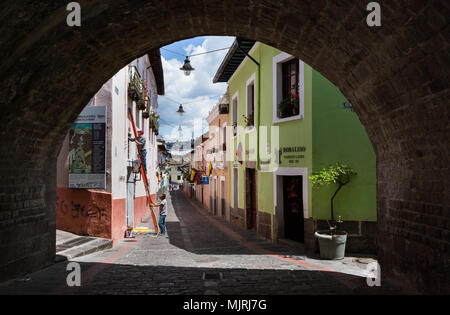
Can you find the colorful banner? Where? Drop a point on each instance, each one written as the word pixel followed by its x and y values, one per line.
pixel 210 168
pixel 194 175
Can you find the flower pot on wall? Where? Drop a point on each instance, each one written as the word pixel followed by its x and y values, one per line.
pixel 332 246
pixel 145 115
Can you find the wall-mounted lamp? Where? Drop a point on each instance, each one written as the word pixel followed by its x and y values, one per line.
pixel 349 105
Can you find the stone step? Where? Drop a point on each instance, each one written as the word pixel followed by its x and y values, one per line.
pixel 71 246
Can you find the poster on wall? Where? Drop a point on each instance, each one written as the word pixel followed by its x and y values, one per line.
pixel 87 149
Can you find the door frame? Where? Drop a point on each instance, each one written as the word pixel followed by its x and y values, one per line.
pixel 222 196
pixel 278 198
pixel 254 194
pixel 235 174
pixel 129 210
pixel 215 211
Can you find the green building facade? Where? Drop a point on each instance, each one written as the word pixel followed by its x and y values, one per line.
pixel 272 152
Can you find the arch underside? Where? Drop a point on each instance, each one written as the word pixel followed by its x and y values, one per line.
pixel 396 76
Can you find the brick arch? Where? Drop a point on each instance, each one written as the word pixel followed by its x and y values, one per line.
pixel 396 76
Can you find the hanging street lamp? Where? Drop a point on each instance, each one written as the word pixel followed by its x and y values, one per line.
pixel 180 110
pixel 187 68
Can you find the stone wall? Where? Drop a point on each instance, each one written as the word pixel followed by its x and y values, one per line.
pixel 396 76
pixel 264 225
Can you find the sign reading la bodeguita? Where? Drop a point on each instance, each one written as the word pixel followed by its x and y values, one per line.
pixel 87 149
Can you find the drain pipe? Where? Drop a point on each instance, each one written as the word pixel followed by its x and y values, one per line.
pixel 259 101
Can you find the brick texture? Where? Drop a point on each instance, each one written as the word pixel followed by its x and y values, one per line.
pixel 396 77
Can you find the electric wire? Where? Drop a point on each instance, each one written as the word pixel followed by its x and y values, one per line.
pixel 194 55
pixel 191 102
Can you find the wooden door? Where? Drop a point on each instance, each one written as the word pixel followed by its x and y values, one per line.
pixel 250 193
pixel 293 208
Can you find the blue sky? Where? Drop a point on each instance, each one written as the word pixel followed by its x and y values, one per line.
pixel 196 92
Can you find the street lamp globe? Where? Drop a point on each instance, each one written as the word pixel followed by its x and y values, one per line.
pixel 180 110
pixel 187 68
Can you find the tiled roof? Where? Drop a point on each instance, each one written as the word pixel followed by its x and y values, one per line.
pixel 233 59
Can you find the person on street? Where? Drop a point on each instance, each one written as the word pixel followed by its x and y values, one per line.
pixel 162 214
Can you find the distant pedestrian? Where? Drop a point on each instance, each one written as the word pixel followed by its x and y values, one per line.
pixel 141 143
pixel 162 213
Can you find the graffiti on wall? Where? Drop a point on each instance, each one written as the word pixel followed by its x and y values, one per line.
pixel 79 210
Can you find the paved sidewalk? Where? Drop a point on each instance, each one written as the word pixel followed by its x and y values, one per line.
pixel 201 255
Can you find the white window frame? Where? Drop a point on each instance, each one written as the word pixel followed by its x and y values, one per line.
pixel 292 171
pixel 249 82
pixel 236 182
pixel 235 97
pixel 224 131
pixel 224 141
pixel 278 60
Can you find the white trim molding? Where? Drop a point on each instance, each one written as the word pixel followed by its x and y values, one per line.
pixel 277 86
pixel 292 171
pixel 235 183
pixel 251 80
pixel 235 97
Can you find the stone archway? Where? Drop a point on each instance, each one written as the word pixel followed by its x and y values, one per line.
pixel 396 76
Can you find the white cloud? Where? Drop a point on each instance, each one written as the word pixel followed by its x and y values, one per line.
pixel 196 92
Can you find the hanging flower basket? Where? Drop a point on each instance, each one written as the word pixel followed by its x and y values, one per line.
pixel 140 104
pixel 134 88
pixel 145 115
pixel 133 93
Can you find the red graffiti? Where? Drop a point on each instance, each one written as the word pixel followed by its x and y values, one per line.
pixel 77 210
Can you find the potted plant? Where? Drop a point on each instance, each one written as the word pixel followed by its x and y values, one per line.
pixel 289 106
pixel 129 232
pixel 140 104
pixel 145 115
pixel 154 121
pixel 250 120
pixel 133 88
pixel 332 242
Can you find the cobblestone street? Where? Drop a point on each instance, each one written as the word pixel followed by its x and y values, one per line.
pixel 201 255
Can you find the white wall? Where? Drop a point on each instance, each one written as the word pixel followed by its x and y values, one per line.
pixel 119 145
pixel 121 125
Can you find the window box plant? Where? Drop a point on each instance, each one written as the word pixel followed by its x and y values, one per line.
pixel 234 128
pixel 133 93
pixel 154 125
pixel 134 88
pixel 289 106
pixel 332 242
pixel 250 120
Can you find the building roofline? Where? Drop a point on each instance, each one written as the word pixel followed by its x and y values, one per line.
pixel 154 56
pixel 233 59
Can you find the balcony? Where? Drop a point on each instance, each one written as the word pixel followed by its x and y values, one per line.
pixel 223 108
